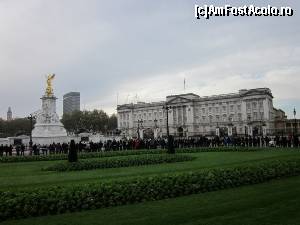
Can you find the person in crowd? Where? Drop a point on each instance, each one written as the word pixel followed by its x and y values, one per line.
pixel 1 150
pixel 159 143
pixel 22 149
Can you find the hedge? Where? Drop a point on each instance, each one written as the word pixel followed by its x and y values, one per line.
pixel 56 200
pixel 120 162
pixel 87 155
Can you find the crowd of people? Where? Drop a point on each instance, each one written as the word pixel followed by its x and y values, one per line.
pixel 161 143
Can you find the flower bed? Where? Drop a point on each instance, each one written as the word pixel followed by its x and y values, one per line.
pixel 120 162
pixel 55 200
pixel 88 155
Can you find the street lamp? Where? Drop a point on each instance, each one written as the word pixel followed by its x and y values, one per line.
pixel 171 149
pixel 295 122
pixel 31 118
pixel 155 129
pixel 249 125
pixel 138 130
pixel 262 125
pixel 218 130
pixel 230 126
pixel 155 123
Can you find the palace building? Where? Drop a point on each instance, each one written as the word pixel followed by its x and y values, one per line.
pixel 247 112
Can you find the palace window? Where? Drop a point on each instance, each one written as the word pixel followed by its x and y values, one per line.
pixel 255 115
pixel 240 116
pixel 261 115
pixel 224 117
pixel 248 106
pixel 249 116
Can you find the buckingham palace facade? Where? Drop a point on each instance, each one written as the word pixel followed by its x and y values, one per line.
pixel 247 112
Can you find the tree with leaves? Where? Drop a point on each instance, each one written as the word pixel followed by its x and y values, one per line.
pixel 15 127
pixel 92 121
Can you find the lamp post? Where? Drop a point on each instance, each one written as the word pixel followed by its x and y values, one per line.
pixel 171 149
pixel 218 130
pixel 249 126
pixel 155 129
pixel 31 118
pixel 230 125
pixel 138 130
pixel 166 108
pixel 105 130
pixel 155 123
pixel 295 122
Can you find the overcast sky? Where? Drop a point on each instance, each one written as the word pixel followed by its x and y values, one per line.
pixel 142 50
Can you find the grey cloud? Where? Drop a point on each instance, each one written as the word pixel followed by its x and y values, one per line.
pixel 134 47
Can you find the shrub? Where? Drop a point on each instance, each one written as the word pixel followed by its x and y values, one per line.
pixel 85 155
pixel 88 155
pixel 120 162
pixel 55 200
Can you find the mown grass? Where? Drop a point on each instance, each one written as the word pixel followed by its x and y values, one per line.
pixel 27 175
pixel 272 203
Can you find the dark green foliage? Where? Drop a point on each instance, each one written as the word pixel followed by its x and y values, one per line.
pixel 96 120
pixel 56 200
pixel 72 156
pixel 80 155
pixel 14 127
pixel 32 158
pixel 120 162
pixel 101 154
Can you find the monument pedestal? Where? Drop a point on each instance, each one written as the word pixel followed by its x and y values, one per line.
pixel 48 128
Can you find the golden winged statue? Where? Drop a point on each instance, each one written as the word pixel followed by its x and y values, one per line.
pixel 49 89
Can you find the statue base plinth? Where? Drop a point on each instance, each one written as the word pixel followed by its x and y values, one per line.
pixel 48 129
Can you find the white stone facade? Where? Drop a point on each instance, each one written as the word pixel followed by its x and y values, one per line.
pixel 247 112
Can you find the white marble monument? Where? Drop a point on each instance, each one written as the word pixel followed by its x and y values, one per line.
pixel 48 128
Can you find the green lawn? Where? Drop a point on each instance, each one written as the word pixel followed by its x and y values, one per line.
pixel 28 174
pixel 273 203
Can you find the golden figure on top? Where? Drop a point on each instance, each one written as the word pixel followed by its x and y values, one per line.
pixel 49 89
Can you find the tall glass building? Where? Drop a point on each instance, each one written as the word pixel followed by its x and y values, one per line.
pixel 71 102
